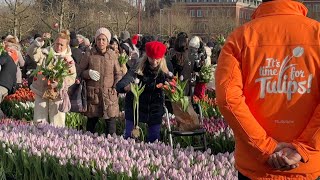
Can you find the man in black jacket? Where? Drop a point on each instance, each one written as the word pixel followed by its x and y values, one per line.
pixel 8 78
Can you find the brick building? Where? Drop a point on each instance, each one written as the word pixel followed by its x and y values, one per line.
pixel 313 8
pixel 227 14
pixel 238 12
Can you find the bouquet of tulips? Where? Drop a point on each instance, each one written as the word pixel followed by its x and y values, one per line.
pixel 123 58
pixel 186 117
pixel 54 70
pixel 219 42
pixel 208 105
pixel 205 74
pixel 174 90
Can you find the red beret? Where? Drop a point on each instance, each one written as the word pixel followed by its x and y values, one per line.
pixel 155 49
pixel 135 39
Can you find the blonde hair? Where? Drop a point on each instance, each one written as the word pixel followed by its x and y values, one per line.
pixel 12 40
pixel 64 34
pixel 12 43
pixel 142 64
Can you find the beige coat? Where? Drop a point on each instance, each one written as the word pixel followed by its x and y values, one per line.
pixel 47 110
pixel 102 96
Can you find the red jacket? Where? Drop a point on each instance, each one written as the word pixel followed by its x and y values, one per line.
pixel 268 91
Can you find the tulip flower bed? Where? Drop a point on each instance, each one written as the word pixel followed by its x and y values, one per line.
pixel 46 152
pixel 219 135
pixel 19 105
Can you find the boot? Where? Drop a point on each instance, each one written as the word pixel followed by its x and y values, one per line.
pixel 91 124
pixel 111 126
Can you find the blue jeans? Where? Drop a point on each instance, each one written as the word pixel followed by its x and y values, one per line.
pixel 153 131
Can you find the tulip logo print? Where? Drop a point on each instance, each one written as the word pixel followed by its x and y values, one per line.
pixel 278 77
pixel 298 51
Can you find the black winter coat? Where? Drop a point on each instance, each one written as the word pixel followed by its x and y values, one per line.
pixel 8 72
pixel 151 101
pixel 76 54
pixel 183 65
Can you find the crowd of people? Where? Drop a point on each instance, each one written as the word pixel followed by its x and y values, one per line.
pixel 267 74
pixel 97 64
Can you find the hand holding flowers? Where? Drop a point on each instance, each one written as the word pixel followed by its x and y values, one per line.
pixel 123 58
pixel 205 74
pixel 186 117
pixel 174 89
pixel 136 89
pixel 53 70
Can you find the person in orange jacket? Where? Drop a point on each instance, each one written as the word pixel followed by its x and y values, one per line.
pixel 268 90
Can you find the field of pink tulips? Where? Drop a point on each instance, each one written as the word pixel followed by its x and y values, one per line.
pixel 45 152
pixel 30 151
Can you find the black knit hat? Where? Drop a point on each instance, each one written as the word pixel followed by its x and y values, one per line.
pixel 73 39
pixel 36 36
pixel 73 35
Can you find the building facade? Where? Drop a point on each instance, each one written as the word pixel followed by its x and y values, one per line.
pixel 313 8
pixel 213 17
pixel 208 14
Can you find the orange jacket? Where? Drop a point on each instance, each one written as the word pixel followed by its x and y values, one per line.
pixel 267 85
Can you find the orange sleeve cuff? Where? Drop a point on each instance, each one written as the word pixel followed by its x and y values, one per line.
pixel 301 151
pixel 270 149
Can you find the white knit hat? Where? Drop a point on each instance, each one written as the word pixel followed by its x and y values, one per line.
pixel 103 31
pixel 194 42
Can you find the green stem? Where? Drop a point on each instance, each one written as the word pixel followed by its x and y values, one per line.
pixel 134 112
pixel 137 111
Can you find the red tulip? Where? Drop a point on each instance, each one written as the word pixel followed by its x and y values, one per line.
pixel 160 85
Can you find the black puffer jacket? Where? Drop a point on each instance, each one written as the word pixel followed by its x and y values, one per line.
pixel 8 72
pixel 151 100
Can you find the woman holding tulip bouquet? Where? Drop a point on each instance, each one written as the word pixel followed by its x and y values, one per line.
pixel 150 71
pixel 52 110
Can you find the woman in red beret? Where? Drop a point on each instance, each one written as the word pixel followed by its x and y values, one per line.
pixel 151 70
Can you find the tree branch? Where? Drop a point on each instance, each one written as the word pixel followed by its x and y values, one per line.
pixel 48 25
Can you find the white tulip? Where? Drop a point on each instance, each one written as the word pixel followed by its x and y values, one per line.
pixel 136 81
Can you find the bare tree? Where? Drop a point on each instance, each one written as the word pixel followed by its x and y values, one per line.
pixel 54 14
pixel 16 15
pixel 178 20
pixel 84 17
pixel 119 16
pixel 150 24
pixel 218 21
